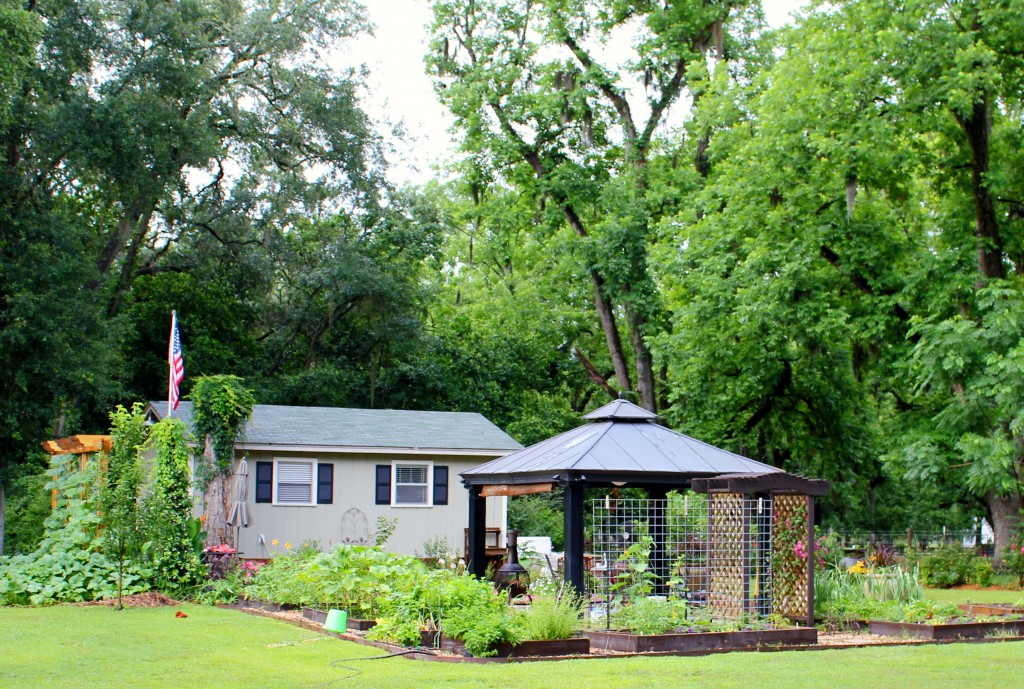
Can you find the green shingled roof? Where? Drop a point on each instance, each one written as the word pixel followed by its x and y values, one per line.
pixel 363 428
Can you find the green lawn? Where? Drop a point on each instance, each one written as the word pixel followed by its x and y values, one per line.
pixel 974 596
pixel 69 648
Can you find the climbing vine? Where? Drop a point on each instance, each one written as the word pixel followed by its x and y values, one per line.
pixel 176 561
pixel 221 406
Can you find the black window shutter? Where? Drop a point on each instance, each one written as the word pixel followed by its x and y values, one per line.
pixel 440 485
pixel 383 484
pixel 325 483
pixel 264 481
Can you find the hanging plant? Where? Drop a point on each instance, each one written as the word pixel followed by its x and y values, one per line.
pixel 221 406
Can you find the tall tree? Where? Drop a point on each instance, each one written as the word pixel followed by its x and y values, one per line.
pixel 531 85
pixel 853 257
pixel 135 137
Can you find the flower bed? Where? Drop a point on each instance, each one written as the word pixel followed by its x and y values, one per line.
pixel 626 642
pixel 947 630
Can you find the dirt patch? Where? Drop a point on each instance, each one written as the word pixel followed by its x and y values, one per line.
pixel 138 600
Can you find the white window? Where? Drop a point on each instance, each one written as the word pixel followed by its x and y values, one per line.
pixel 293 482
pixel 412 484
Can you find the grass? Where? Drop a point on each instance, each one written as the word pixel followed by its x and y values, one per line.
pixel 974 595
pixel 79 647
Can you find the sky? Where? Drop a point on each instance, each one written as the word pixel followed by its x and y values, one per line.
pixel 399 91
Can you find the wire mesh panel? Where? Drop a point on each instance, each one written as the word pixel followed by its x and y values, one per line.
pixel 711 550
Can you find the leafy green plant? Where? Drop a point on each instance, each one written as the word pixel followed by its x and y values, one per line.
pixel 842 596
pixel 553 617
pixel 1013 556
pixel 651 615
pixel 119 493
pixel 171 530
pixel 70 564
pixel 984 572
pixel 634 578
pixel 929 612
pixel 384 528
pixel 221 405
pixel 481 627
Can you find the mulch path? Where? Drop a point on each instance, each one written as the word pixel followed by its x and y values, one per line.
pixel 138 600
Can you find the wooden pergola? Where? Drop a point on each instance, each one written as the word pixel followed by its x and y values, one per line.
pixel 624 444
pixel 81 445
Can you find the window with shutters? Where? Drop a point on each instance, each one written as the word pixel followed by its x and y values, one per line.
pixel 411 484
pixel 293 482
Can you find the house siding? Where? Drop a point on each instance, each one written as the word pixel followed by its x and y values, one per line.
pixel 354 488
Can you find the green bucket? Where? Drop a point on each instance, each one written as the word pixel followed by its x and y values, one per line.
pixel 337 621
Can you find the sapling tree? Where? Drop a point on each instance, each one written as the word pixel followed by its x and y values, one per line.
pixel 119 496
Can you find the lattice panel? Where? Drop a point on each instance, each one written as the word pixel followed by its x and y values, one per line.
pixel 789 527
pixel 725 553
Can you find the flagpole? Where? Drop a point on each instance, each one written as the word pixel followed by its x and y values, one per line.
pixel 170 365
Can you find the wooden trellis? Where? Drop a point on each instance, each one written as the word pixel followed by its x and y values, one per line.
pixel 82 446
pixel 789 528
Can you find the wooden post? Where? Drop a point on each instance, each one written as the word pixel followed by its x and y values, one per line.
pixel 573 508
pixel 811 558
pixel 477 555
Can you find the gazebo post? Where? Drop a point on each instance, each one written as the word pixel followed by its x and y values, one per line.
pixel 477 555
pixel 811 558
pixel 573 509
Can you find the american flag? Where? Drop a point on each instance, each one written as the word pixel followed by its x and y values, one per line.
pixel 176 363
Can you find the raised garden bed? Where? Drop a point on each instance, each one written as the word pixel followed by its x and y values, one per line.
pixel 952 630
pixel 266 605
pixel 320 616
pixel 624 642
pixel 991 609
pixel 524 649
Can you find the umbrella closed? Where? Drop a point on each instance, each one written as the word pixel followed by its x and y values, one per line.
pixel 238 517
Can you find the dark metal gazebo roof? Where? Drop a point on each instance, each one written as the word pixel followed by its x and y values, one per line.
pixel 621 442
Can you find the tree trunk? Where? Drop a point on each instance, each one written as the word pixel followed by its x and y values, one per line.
pixel 644 362
pixel 215 502
pixel 978 128
pixel 606 315
pixel 1005 519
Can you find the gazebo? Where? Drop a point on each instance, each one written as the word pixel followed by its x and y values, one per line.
pixel 749 510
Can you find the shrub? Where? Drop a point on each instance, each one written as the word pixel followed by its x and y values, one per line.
pixel 983 571
pixel 947 567
pixel 1013 557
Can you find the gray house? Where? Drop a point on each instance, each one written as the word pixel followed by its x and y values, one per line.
pixel 327 474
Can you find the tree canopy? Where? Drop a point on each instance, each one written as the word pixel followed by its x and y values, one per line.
pixel 803 245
